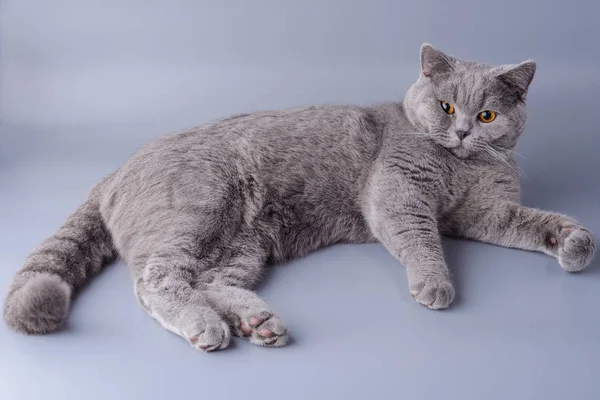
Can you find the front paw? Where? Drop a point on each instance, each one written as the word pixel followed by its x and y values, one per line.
pixel 575 248
pixel 435 292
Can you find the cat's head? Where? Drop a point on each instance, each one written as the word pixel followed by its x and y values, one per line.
pixel 468 107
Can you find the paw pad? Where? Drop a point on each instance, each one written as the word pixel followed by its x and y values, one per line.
pixel 266 333
pixel 263 329
pixel 246 330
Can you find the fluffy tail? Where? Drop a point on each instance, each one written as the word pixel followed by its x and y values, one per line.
pixel 39 297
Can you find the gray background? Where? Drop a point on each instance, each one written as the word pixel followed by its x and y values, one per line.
pixel 85 83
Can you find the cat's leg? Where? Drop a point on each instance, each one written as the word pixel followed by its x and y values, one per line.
pixel 404 221
pixel 509 224
pixel 230 292
pixel 167 290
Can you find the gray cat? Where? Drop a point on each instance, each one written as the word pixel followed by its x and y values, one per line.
pixel 198 216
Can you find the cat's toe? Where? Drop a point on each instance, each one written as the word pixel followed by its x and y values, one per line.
pixel 272 333
pixel 576 250
pixel 435 293
pixel 263 329
pixel 215 336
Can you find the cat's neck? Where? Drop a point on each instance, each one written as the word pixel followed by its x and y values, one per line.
pixel 392 117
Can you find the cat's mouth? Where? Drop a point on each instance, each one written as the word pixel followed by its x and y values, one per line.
pixel 460 151
pixel 454 146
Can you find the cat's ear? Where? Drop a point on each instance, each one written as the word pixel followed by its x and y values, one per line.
pixel 518 76
pixel 434 61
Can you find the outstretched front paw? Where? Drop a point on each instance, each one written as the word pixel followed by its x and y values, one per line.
pixel 575 248
pixel 435 292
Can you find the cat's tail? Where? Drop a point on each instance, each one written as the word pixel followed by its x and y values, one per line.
pixel 39 297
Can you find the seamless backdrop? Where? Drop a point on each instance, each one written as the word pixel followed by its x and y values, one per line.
pixel 83 84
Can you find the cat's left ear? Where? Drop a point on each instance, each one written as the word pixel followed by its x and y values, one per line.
pixel 518 76
pixel 434 62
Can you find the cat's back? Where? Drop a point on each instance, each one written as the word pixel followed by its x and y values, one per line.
pixel 318 125
pixel 315 138
pixel 262 140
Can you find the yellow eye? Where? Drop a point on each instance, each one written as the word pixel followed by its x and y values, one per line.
pixel 487 116
pixel 447 107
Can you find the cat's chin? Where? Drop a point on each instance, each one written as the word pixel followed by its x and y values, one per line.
pixel 460 152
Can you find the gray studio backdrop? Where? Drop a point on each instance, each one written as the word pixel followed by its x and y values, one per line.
pixel 77 74
pixel 83 83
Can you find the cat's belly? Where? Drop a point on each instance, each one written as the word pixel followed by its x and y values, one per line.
pixel 302 234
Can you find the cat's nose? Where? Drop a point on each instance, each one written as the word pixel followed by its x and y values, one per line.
pixel 462 134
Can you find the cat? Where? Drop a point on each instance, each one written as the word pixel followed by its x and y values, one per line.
pixel 199 215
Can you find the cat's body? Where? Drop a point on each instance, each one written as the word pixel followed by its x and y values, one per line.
pixel 198 216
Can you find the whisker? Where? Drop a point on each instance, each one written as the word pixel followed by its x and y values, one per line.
pixel 512 151
pixel 419 134
pixel 498 156
pixel 479 145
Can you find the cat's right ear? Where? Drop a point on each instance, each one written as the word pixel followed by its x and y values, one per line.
pixel 518 76
pixel 434 61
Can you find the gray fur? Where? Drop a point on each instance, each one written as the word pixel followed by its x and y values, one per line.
pixel 199 215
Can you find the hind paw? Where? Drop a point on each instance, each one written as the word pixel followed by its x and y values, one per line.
pixel 214 337
pixel 206 331
pixel 249 316
pixel 263 328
